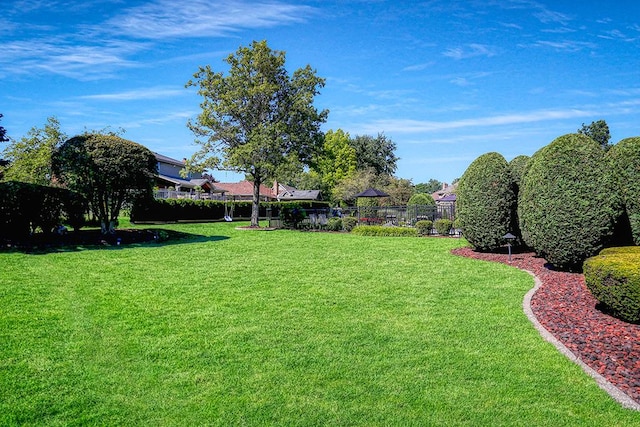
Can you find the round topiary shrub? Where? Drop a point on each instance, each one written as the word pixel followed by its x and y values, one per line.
pixel 613 277
pixel 624 160
pixel 421 199
pixel 566 203
pixel 485 202
pixel 443 226
pixel 423 227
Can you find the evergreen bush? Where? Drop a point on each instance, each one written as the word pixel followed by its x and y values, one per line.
pixel 567 201
pixel 443 226
pixel 485 202
pixel 383 231
pixel 423 227
pixel 349 222
pixel 334 224
pixel 624 160
pixel 613 277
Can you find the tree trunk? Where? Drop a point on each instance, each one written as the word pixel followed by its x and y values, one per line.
pixel 255 207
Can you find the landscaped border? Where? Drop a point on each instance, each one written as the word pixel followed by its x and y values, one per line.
pixel 532 304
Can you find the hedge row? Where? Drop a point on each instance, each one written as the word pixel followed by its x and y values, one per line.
pixel 382 231
pixel 174 210
pixel 25 207
pixel 613 277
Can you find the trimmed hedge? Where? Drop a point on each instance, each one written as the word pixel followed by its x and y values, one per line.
pixel 26 207
pixel 173 210
pixel 567 201
pixel 443 226
pixel 624 159
pixel 613 277
pixel 382 231
pixel 486 202
pixel 423 227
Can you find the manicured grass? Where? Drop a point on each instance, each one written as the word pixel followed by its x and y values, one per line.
pixel 280 328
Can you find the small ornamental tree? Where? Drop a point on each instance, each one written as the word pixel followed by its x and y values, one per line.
pixel 624 160
pixel 485 202
pixel 107 170
pixel 567 201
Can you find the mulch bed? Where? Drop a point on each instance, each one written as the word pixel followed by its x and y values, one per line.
pixel 566 308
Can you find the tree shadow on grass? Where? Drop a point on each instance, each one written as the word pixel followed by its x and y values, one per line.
pixel 83 240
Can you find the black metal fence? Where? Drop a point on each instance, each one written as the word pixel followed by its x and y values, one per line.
pixel 371 215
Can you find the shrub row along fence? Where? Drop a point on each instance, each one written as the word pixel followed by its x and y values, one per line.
pixel 185 210
pixel 24 208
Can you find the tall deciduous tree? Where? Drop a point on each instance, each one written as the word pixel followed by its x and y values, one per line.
pixel 428 187
pixel 598 131
pixel 376 153
pixel 107 170
pixel 30 157
pixel 257 117
pixel 337 160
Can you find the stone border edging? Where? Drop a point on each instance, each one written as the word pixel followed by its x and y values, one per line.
pixel 617 394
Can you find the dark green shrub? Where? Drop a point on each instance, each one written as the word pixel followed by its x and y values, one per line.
pixel 517 168
pixel 443 226
pixel 567 201
pixel 349 222
pixel 334 224
pixel 624 160
pixel 382 231
pixel 485 202
pixel 423 227
pixel 421 199
pixel 613 277
pixel 292 215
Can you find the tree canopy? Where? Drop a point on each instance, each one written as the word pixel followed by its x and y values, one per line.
pixel 3 132
pixel 30 157
pixel 377 153
pixel 257 119
pixel 598 131
pixel 428 187
pixel 107 170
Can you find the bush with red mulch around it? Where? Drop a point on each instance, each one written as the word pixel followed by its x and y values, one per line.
pixel 566 308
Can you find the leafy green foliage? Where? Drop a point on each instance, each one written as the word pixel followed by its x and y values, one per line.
pixel 257 118
pixel 428 187
pixel 567 201
pixel 334 224
pixel 337 160
pixel 423 227
pixel 349 222
pixel 613 277
pixel 30 157
pixel 598 131
pixel 421 199
pixel 485 202
pixel 107 170
pixel 443 226
pixel 3 132
pixel 624 159
pixel 377 153
pixel 382 231
pixel 26 207
pixel 292 215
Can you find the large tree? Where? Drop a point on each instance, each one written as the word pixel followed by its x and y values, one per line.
pixel 107 170
pixel 30 157
pixel 257 118
pixel 598 131
pixel 428 187
pixel 376 153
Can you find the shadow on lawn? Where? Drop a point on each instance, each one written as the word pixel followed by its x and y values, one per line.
pixel 94 240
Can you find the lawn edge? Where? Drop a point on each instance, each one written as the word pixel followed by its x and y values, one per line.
pixel 621 397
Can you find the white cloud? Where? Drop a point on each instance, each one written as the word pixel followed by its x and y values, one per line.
pixel 203 18
pixel 469 51
pixel 138 94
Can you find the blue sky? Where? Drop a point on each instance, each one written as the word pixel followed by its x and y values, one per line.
pixel 447 81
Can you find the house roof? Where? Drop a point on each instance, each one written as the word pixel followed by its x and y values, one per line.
pixel 169 160
pixel 444 191
pixel 243 188
pixel 448 198
pixel 295 194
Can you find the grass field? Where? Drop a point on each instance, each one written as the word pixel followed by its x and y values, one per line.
pixel 236 327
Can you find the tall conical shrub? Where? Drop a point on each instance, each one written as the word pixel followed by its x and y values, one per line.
pixel 567 202
pixel 624 159
pixel 485 202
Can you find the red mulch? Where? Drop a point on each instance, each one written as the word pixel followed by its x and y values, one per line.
pixel 566 308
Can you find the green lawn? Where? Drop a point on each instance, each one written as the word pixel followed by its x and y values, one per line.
pixel 280 328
